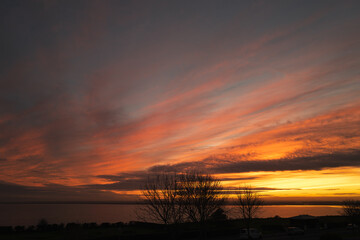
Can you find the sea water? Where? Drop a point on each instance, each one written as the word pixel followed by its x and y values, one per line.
pixel 30 214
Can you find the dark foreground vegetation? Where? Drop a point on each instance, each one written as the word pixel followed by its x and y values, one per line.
pixel 272 228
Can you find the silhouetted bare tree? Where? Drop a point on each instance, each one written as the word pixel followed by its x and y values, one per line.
pixel 172 198
pixel 351 209
pixel 162 199
pixel 201 195
pixel 248 204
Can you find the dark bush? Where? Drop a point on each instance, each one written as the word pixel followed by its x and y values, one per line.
pixel 30 228
pixel 55 227
pixel 20 228
pixel 118 224
pixel 90 225
pixel 73 226
pixel 42 225
pixel 5 229
pixel 105 225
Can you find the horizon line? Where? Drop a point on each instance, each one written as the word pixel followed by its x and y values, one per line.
pixel 266 203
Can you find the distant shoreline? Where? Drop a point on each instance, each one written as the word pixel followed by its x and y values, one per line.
pixel 325 203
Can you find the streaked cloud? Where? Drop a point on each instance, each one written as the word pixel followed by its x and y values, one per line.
pixel 118 89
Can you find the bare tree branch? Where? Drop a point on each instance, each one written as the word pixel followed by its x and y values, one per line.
pixel 201 195
pixel 162 198
pixel 351 209
pixel 248 204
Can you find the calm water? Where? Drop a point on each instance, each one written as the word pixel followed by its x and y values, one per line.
pixel 30 214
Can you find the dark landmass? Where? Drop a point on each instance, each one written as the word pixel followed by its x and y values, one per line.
pixel 268 203
pixel 272 228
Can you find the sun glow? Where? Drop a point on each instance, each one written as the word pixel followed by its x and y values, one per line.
pixel 339 182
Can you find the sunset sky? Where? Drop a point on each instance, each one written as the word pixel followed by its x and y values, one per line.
pixel 97 95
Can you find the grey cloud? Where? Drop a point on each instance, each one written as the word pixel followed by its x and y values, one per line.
pixel 220 164
pixel 234 190
pixel 299 163
pixel 261 188
pixel 136 180
pixel 237 178
pixel 124 181
pixel 344 194
pixel 234 164
pixel 10 192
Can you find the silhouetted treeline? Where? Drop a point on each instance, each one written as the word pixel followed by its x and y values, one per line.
pixel 217 228
pixel 45 227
